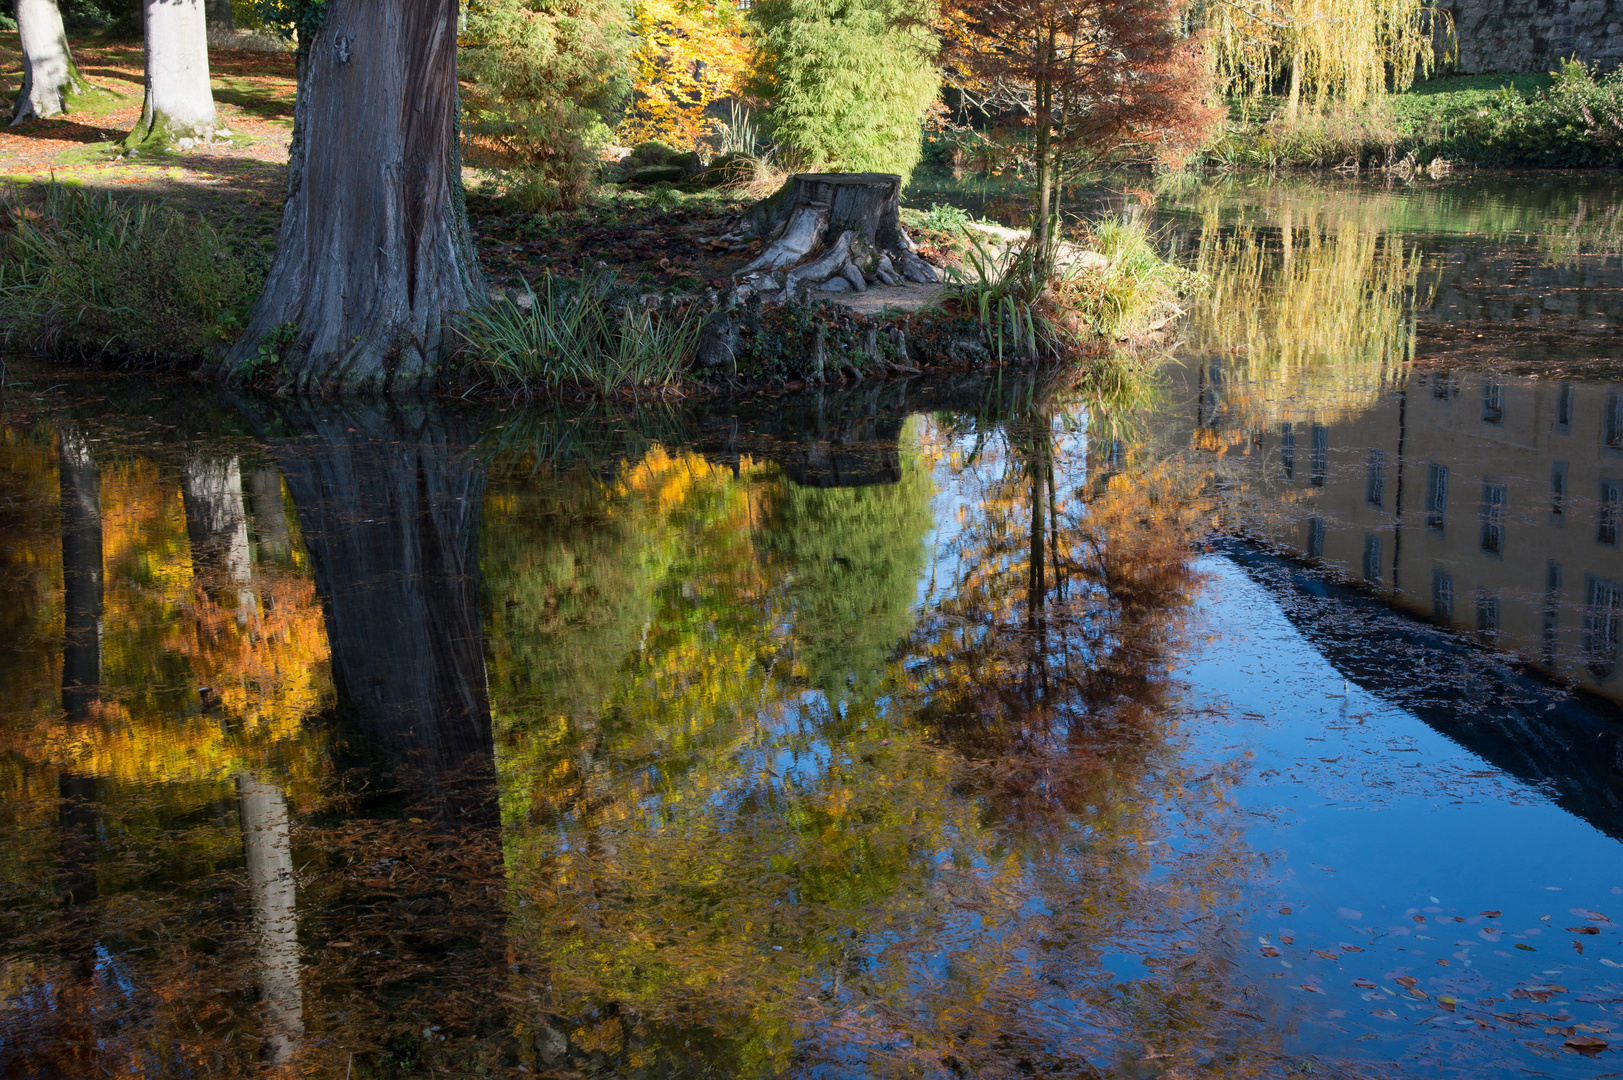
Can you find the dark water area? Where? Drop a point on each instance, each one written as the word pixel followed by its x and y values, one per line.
pixel 1264 722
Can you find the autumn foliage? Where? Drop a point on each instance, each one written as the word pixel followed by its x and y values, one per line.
pixel 690 54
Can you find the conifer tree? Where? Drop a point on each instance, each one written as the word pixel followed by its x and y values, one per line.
pixel 849 81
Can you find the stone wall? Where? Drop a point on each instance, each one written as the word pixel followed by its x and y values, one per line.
pixel 1534 35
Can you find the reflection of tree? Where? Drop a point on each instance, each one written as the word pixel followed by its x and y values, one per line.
pixel 82 589
pixel 388 500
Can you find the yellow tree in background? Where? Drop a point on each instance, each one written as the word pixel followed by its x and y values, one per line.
pixel 690 54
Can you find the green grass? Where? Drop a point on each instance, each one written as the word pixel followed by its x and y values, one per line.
pixel 83 276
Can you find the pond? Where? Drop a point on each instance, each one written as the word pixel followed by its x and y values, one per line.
pixel 1260 721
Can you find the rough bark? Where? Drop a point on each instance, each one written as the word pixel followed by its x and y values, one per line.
pixel 374 259
pixel 50 79
pixel 388 501
pixel 835 231
pixel 267 842
pixel 82 584
pixel 179 102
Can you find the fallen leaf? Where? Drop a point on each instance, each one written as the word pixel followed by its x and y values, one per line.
pixel 1269 950
pixel 1491 914
pixel 1311 989
pixel 1364 983
pixel 1417 992
pixel 1592 916
pixel 1586 1044
pixel 1406 980
pixel 1583 929
pixel 1352 948
pixel 1288 940
pixel 1324 955
pixel 1447 1004
pixel 1525 947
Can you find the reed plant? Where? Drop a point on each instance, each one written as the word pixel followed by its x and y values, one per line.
pixel 584 334
pixel 85 276
pixel 1114 287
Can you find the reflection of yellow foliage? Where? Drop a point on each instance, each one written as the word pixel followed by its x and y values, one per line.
pixel 1316 327
pixel 258 647
pixel 690 53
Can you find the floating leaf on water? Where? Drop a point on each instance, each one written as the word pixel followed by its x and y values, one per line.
pixel 1586 1044
pixel 1526 947
pixel 1311 989
pixel 1364 984
pixel 1585 913
pixel 1269 950
pixel 1417 992
pixel 1583 929
pixel 1492 914
pixel 1352 948
pixel 1406 980
pixel 1447 1004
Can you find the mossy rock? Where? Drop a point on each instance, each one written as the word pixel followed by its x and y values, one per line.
pixel 690 163
pixel 657 174
pixel 652 152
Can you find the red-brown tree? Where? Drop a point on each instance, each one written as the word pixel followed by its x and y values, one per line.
pixel 1077 81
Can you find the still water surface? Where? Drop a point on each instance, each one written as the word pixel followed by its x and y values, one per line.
pixel 1264 725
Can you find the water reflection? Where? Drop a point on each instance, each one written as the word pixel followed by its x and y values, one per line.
pixel 901 731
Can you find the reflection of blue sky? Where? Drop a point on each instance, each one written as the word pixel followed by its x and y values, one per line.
pixel 1367 818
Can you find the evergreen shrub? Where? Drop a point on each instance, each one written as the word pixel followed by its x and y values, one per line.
pixel 849 82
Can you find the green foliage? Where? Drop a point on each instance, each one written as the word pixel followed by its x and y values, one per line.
pixel 582 333
pixel 82 275
pixel 545 83
pixel 853 556
pixel 289 17
pixel 849 81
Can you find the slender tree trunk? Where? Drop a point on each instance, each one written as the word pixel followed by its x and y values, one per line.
pixel 179 103
pixel 50 79
pixel 267 843
pixel 82 585
pixel 217 526
pixel 374 259
pixel 1045 165
pixel 1293 105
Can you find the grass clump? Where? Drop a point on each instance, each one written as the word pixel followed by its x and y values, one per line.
pixel 1114 288
pixel 583 333
pixel 84 276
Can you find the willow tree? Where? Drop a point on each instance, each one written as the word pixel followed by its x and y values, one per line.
pixel 1073 81
pixel 1350 49
pixel 50 79
pixel 374 256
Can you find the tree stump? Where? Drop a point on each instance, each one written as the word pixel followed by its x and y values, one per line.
pixel 838 232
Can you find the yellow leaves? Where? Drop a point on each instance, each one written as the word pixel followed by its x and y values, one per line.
pixel 689 55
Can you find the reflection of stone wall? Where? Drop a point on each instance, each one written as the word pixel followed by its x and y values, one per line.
pixel 1533 35
pixel 1492 505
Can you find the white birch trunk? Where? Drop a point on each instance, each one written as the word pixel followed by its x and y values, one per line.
pixel 217 526
pixel 179 102
pixel 268 844
pixel 50 79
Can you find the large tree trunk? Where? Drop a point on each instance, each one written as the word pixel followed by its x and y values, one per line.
pixel 82 587
pixel 179 103
pixel 374 259
pixel 50 79
pixel 834 231
pixel 268 844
